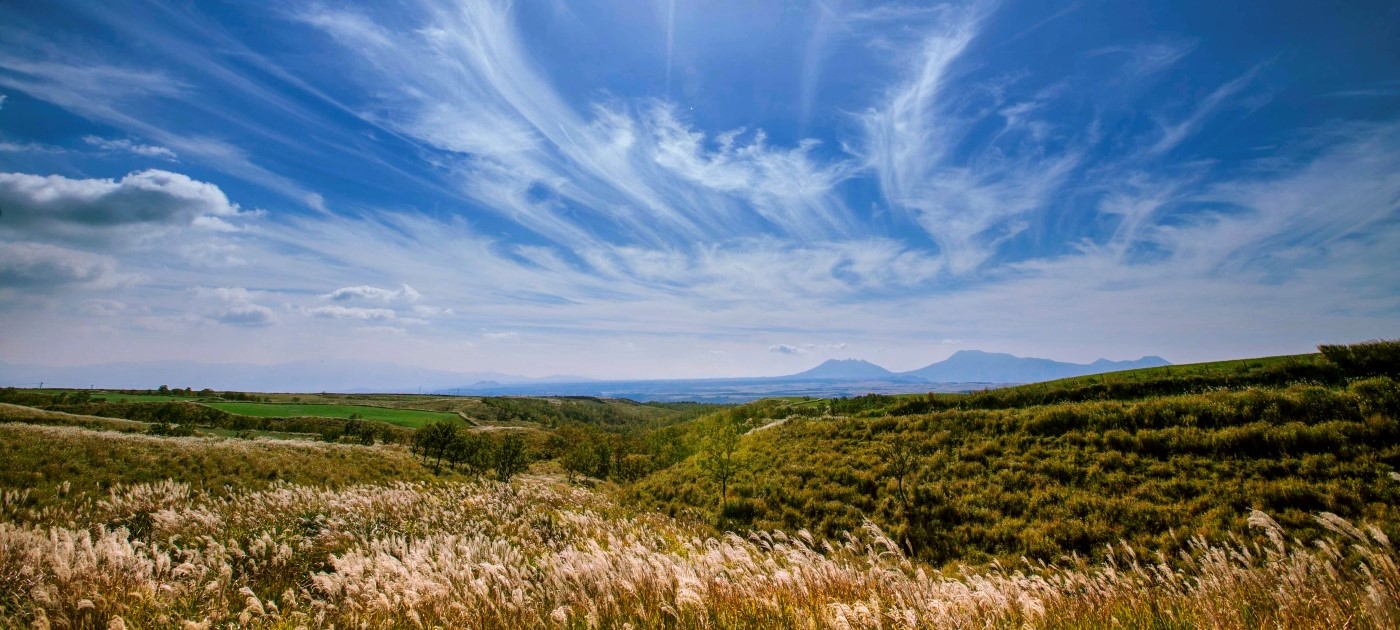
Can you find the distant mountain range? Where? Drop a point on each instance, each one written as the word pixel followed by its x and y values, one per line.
pixel 975 366
pixel 964 370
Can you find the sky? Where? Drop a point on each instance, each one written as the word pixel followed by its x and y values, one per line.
pixel 670 188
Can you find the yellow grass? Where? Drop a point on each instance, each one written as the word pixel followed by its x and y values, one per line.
pixel 539 553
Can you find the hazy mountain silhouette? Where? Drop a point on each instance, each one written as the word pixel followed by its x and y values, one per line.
pixel 839 369
pixel 995 367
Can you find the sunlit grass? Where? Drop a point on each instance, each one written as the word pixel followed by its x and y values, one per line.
pixel 402 417
pixel 540 554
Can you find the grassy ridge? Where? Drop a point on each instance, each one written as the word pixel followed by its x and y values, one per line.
pixel 1066 467
pixel 30 415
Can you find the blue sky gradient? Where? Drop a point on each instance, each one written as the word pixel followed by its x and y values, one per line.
pixel 680 189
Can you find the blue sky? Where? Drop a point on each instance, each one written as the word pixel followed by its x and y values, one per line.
pixel 682 189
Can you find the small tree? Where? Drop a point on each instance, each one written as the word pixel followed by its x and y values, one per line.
pixel 579 459
pixel 434 441
pixel 718 458
pixel 510 459
pixel 901 461
pixel 468 450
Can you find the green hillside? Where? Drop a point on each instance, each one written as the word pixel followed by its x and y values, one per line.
pixel 1151 457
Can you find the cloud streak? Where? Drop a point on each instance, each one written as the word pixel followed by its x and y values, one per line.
pixel 636 170
pixel 895 178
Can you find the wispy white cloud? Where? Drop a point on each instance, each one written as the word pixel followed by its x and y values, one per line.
pixel 352 312
pixel 79 80
pixel 825 21
pixel 385 330
pixel 465 85
pixel 623 220
pixel 1173 134
pixel 670 42
pixel 234 306
pixel 127 146
pixel 29 147
pixel 101 308
pixel 249 315
pixel 967 203
pixel 364 292
pixel 1148 58
pixel 806 348
pixel 424 310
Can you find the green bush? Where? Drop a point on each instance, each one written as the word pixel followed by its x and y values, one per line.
pixel 1378 395
pixel 1371 358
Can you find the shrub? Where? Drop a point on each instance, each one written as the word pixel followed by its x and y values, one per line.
pixel 1379 395
pixel 1371 358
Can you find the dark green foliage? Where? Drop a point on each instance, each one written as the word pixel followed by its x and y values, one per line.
pixel 622 455
pixel 433 442
pixel 969 485
pixel 470 451
pixel 1137 384
pixel 1379 395
pixel 609 414
pixel 509 457
pixel 718 457
pixel 1372 358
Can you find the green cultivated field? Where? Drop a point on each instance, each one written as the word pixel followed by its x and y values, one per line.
pixel 402 417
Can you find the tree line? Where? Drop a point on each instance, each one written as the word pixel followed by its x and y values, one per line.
pixel 472 452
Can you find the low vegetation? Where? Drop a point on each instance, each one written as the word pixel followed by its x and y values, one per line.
pixel 1003 474
pixel 50 462
pixel 30 415
pixel 539 554
pixel 1245 494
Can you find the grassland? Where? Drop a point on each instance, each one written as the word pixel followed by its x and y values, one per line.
pixel 538 553
pixel 401 417
pixel 1249 494
pixel 49 462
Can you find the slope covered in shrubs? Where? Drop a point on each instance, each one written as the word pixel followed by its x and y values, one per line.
pixel 1004 474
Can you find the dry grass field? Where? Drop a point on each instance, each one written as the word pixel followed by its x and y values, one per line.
pixel 540 553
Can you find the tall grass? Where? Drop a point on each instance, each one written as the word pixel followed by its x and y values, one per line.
pixel 539 553
pixel 46 459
